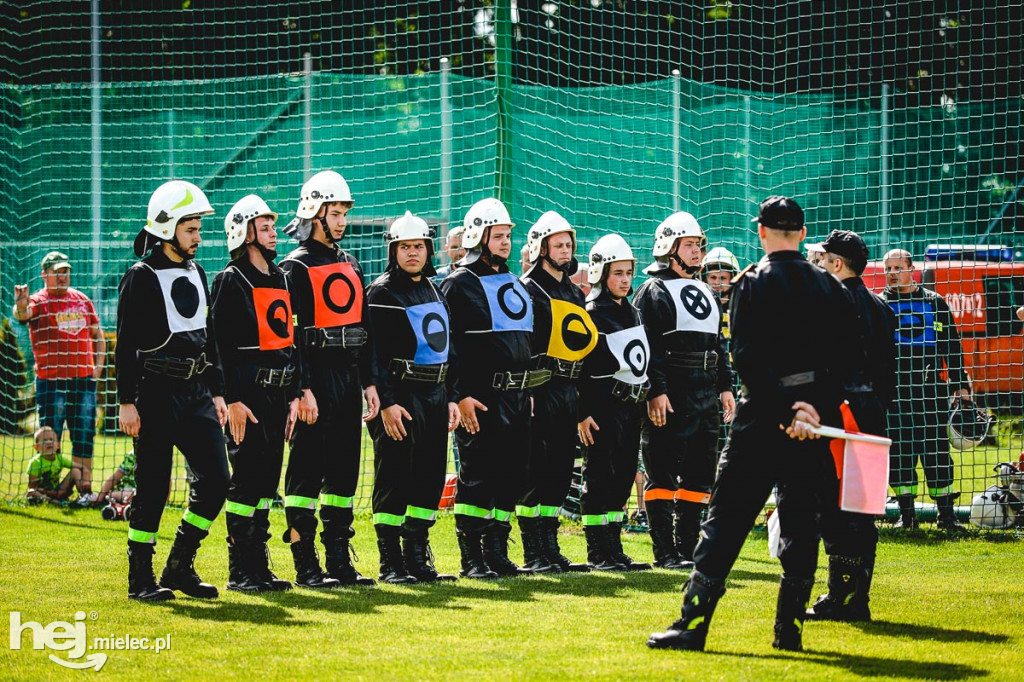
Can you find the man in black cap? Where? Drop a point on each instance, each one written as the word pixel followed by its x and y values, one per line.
pixel 790 321
pixel 850 539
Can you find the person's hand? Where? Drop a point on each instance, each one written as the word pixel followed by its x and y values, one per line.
pixel 454 417
pixel 964 393
pixel 658 409
pixel 128 417
pixel 805 418
pixel 222 409
pixel 728 406
pixel 372 403
pixel 468 408
pixel 308 411
pixel 392 418
pixel 1020 313
pixel 586 429
pixel 293 416
pixel 97 372
pixel 21 296
pixel 238 415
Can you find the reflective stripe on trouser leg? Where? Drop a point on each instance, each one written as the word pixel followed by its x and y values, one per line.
pixel 136 535
pixel 197 520
pixel 595 519
pixel 382 519
pixel 527 512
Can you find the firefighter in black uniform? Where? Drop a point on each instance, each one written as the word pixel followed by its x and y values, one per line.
pixel 326 285
pixel 170 388
pixel 251 319
pixel 850 539
pixel 492 323
pixel 613 394
pixel 927 342
pixel 410 435
pixel 691 379
pixel 791 321
pixel 563 335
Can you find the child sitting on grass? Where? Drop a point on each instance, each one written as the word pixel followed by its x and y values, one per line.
pixel 120 485
pixel 45 479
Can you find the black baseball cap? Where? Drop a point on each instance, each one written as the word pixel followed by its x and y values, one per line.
pixel 780 213
pixel 850 246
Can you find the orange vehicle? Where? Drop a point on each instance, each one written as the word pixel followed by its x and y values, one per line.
pixel 983 296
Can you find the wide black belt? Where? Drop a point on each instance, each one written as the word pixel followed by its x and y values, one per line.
pixel 520 381
pixel 336 337
pixel 268 377
pixel 182 369
pixel 693 360
pixel 408 370
pixel 630 393
pixel 561 368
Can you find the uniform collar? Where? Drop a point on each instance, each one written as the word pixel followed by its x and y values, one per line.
pixel 785 255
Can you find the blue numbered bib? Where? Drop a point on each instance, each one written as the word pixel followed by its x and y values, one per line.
pixel 510 306
pixel 915 323
pixel 430 326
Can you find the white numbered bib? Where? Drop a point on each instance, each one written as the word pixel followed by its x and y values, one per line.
pixel 184 299
pixel 630 348
pixel 695 304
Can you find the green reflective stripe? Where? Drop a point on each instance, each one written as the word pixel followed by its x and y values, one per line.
pixel 502 515
pixel 905 490
pixel 616 517
pixel 528 512
pixel 136 535
pixel 548 511
pixel 470 510
pixel 936 493
pixel 327 500
pixel 300 501
pixel 264 504
pixel 595 519
pixel 239 509
pixel 421 513
pixel 692 625
pixel 197 520
pixel 381 519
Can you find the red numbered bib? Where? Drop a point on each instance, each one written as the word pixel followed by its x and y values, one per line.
pixel 273 318
pixel 337 295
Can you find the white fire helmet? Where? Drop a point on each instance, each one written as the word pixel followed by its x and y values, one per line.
pixel 721 258
pixel 171 202
pixel 549 223
pixel 236 222
pixel 968 424
pixel 325 187
pixel 608 249
pixel 996 508
pixel 407 228
pixel 479 217
pixel 676 226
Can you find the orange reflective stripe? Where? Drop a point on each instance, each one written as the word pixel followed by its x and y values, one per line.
pixel 659 494
pixel 693 496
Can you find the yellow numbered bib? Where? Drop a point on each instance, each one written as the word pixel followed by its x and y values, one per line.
pixel 573 334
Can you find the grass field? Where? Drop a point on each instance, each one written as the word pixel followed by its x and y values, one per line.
pixel 945 609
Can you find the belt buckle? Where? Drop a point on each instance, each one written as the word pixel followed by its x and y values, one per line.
pixel 501 381
pixel 522 384
pixel 442 374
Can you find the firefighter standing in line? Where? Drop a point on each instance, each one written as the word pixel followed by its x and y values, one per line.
pixel 718 269
pixel 326 285
pixel 790 323
pixel 410 435
pixel 851 539
pixel 927 342
pixel 170 388
pixel 691 378
pixel 613 394
pixel 251 319
pixel 492 324
pixel 563 335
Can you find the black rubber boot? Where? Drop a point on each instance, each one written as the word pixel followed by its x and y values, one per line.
pixel 392 564
pixel 790 612
pixel 660 514
pixel 908 514
pixel 846 600
pixel 261 567
pixel 142 584
pixel 180 573
pixel 687 528
pixel 690 632
pixel 338 562
pixel 946 518
pixel 495 544
pixel 307 565
pixel 535 560
pixel 600 550
pixel 549 540
pixel 242 575
pixel 473 564
pixel 419 560
pixel 615 543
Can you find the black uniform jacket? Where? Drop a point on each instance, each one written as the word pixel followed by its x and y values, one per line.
pixel 412 323
pixel 878 324
pixel 926 337
pixel 622 353
pixel 162 310
pixel 562 327
pixel 326 285
pixel 251 318
pixel 492 325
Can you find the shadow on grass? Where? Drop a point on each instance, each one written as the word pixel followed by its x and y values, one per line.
pixel 928 632
pixel 230 611
pixel 68 513
pixel 875 666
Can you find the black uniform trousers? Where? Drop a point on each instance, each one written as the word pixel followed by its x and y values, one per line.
pixel 756 459
pixel 256 461
pixel 493 460
pixel 409 474
pixel 324 461
pixel 609 465
pixel 681 455
pixel 177 413
pixel 553 446
pixel 917 426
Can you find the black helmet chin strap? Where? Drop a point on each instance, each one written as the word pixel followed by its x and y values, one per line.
pixel 570 267
pixel 688 269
